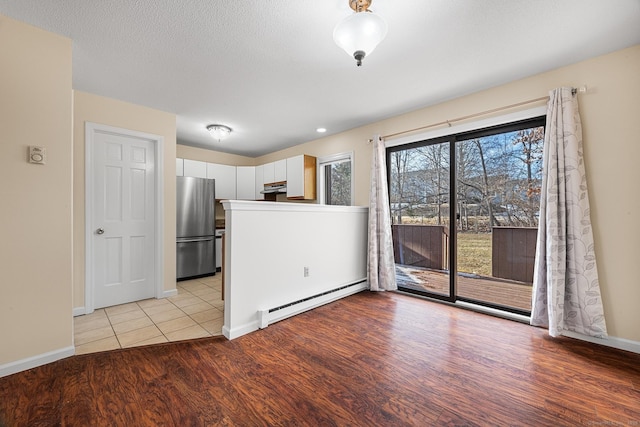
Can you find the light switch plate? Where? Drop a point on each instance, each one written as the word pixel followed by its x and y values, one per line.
pixel 37 155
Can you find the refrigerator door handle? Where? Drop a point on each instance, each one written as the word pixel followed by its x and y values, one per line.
pixel 205 239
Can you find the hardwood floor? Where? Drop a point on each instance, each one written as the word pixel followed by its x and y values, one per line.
pixel 372 359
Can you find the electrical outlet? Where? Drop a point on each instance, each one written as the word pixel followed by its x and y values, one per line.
pixel 306 272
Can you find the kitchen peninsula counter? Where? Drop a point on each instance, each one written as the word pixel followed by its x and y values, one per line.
pixel 284 258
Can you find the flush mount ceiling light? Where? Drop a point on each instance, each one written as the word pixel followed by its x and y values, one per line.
pixel 219 132
pixel 359 34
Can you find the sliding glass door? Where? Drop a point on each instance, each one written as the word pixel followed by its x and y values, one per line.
pixel 420 198
pixel 468 204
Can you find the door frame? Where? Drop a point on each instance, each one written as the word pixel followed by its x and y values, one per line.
pixel 91 129
pixel 452 135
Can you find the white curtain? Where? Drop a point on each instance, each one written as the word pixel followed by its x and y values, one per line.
pixel 566 292
pixel 380 262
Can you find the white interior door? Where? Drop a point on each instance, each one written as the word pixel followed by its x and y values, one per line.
pixel 123 218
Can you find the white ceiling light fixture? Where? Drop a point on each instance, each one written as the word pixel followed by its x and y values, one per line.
pixel 359 34
pixel 219 132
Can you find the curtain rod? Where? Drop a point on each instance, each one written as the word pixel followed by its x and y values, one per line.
pixel 582 89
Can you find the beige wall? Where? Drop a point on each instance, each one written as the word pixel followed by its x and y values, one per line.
pixel 97 109
pixel 35 211
pixel 610 113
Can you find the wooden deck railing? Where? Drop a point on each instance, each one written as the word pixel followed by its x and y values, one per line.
pixel 513 250
pixel 421 245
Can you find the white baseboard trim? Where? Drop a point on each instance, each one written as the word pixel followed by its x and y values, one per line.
pixel 169 293
pixel 79 311
pixel 35 361
pixel 615 342
pixel 241 330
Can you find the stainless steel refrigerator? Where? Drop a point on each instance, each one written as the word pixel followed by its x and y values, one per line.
pixel 195 227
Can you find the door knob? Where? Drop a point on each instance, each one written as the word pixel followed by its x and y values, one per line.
pixel 100 231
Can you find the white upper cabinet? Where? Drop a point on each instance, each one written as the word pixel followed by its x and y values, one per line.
pixel 301 177
pixel 259 182
pixel 195 168
pixel 280 170
pixel 269 173
pixel 246 182
pixel 274 172
pixel 225 177
pixel 179 167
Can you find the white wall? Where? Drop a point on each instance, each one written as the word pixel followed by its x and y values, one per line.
pixel 269 244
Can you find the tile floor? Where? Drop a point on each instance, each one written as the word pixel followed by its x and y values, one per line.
pixel 197 311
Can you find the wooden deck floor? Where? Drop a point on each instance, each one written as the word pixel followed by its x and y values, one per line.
pixel 496 291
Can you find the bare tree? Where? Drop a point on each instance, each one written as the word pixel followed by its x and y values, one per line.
pixel 492 184
pixel 531 141
pixel 436 164
pixel 475 180
pixel 399 178
pixel 338 183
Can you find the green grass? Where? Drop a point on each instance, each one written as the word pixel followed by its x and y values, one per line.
pixel 474 253
pixel 474 249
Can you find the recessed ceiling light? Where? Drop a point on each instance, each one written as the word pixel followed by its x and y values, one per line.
pixel 321 130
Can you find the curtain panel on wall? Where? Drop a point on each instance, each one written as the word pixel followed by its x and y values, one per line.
pixel 566 291
pixel 381 268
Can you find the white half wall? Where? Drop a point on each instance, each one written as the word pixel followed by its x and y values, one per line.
pixel 268 245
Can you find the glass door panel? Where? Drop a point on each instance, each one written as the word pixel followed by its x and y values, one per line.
pixel 498 179
pixel 419 194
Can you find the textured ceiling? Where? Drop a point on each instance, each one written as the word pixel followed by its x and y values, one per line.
pixel 270 69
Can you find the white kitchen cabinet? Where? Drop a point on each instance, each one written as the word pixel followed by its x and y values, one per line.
pixel 246 182
pixel 179 167
pixel 259 182
pixel 195 168
pixel 274 172
pixel 280 170
pixel 301 177
pixel 225 176
pixel 269 173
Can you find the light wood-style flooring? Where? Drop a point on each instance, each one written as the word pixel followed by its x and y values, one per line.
pixel 371 359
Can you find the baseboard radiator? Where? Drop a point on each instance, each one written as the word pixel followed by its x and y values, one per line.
pixel 272 315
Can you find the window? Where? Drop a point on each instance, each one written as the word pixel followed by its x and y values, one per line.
pixel 465 214
pixel 335 179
